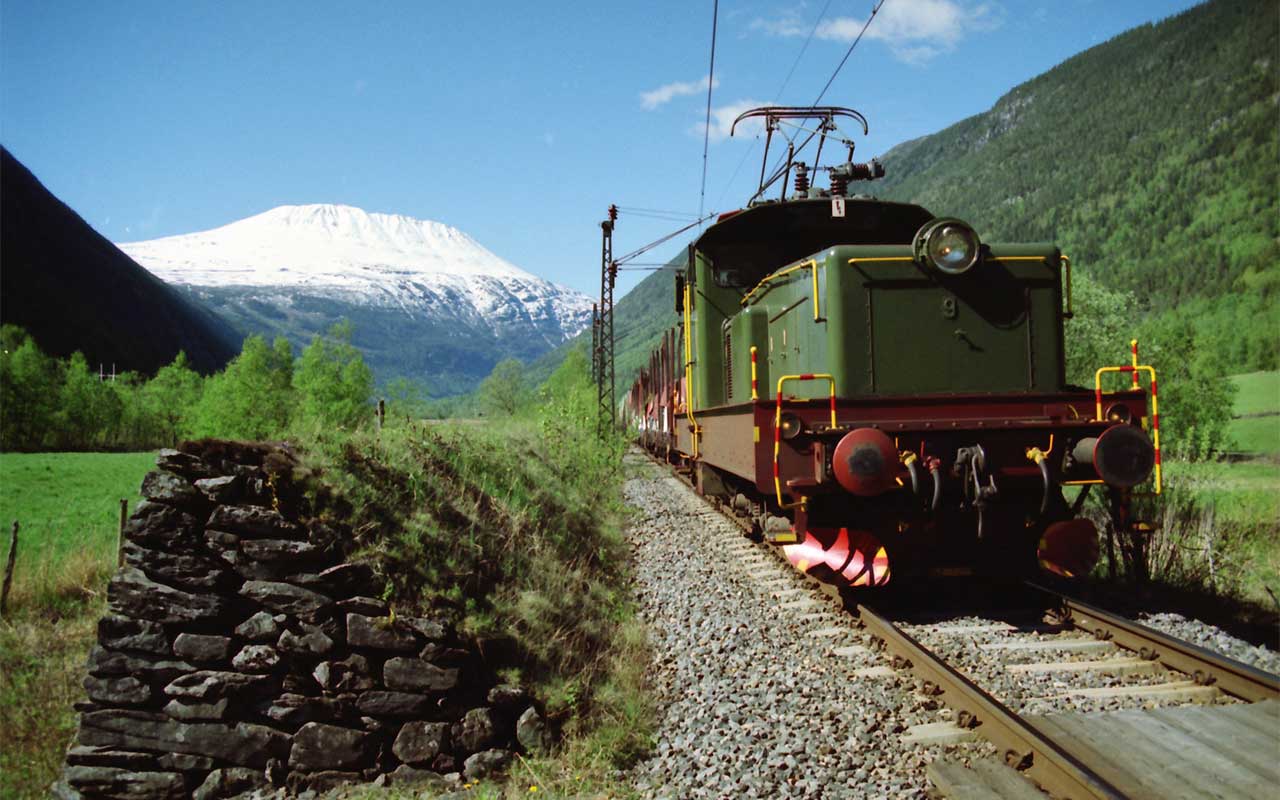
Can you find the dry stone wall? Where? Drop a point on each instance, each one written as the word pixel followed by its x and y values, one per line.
pixel 242 653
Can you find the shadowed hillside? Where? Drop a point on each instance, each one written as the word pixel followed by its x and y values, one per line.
pixel 71 289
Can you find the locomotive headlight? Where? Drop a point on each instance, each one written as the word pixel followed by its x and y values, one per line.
pixel 948 245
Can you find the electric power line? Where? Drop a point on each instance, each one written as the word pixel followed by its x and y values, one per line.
pixel 803 48
pixel 706 132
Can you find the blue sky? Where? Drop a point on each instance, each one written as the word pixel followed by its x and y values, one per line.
pixel 517 122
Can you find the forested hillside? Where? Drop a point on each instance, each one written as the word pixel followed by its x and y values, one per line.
pixel 1152 159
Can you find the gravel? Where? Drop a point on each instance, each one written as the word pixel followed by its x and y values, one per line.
pixel 757 704
pixel 1213 638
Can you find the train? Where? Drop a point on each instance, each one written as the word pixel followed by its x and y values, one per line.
pixel 880 392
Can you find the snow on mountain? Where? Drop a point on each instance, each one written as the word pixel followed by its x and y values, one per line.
pixel 342 252
pixel 404 282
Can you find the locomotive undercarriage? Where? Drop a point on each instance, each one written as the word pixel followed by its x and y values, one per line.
pixel 977 494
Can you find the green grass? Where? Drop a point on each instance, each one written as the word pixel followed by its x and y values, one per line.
pixel 1256 393
pixel 68 509
pixel 1244 501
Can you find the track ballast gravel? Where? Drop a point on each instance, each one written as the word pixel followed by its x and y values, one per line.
pixel 757 703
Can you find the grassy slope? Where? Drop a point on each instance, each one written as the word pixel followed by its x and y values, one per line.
pixel 1258 393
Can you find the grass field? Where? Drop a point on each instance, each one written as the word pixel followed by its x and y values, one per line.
pixel 1257 393
pixel 67 506
pixel 68 509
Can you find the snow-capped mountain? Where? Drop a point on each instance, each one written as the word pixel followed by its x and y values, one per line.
pixel 427 300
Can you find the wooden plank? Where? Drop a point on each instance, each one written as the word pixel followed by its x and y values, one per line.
pixel 957 630
pixel 1177 690
pixel 937 733
pixel 1260 717
pixel 874 672
pixel 849 651
pixel 1072 733
pixel 1010 783
pixel 1050 644
pixel 1253 726
pixel 958 782
pixel 1184 769
pixel 800 605
pixel 1221 734
pixel 829 633
pixel 1112 666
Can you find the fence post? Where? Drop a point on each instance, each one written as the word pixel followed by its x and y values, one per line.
pixel 8 570
pixel 124 518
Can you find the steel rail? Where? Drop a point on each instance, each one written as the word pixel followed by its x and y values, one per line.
pixel 1204 666
pixel 1056 770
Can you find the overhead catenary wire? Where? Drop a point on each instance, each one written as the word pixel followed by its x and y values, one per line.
pixel 875 10
pixel 777 96
pixel 646 248
pixel 803 48
pixel 779 167
pixel 636 210
pixel 706 129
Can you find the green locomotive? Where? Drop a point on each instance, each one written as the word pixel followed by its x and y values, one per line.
pixel 874 386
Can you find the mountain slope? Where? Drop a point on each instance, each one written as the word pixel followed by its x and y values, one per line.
pixel 74 290
pixel 641 316
pixel 1152 159
pixel 427 301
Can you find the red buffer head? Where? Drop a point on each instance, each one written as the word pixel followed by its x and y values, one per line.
pixel 1069 548
pixel 1122 455
pixel 866 462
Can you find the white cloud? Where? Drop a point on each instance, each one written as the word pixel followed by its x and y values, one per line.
pixel 722 118
pixel 788 25
pixel 665 94
pixel 914 30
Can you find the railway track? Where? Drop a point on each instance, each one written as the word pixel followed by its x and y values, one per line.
pixel 1080 701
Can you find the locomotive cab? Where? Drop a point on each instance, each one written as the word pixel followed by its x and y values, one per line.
pixel 874 384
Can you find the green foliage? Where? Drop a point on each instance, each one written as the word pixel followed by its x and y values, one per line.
pixel 504 392
pixel 513 523
pixel 253 397
pixel 1152 159
pixel 1195 397
pixel 333 383
pixel 30 384
pixel 169 398
pixel 87 406
pixel 406 399
pixel 1099 333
